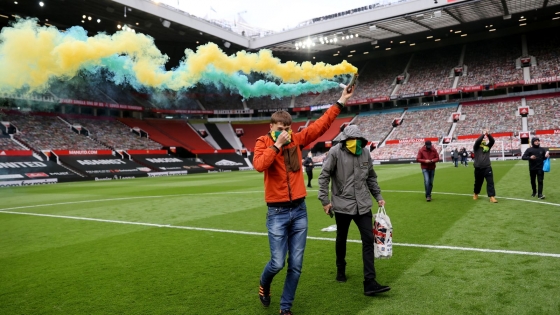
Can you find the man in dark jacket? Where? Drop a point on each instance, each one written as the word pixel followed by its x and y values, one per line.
pixel 536 156
pixel 482 166
pixel 464 157
pixel 428 157
pixel 308 163
pixel 353 183
pixel 455 156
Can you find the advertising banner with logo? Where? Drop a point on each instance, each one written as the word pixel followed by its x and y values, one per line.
pixel 82 152
pixel 495 135
pixel 27 167
pixel 417 140
pixel 548 132
pixel 232 162
pixel 16 152
pixel 101 166
pixel 166 163
pixel 540 80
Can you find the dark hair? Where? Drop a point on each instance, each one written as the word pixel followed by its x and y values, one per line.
pixel 281 116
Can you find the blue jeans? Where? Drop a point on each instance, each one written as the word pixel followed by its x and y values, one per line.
pixel 428 181
pixel 287 232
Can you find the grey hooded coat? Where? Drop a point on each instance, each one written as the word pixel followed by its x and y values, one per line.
pixel 353 179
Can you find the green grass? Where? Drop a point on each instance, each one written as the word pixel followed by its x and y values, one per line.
pixel 62 265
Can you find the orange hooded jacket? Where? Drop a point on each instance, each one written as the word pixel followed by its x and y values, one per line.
pixel 283 177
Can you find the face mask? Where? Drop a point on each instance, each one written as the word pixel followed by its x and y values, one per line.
pixel 276 133
pixel 354 146
pixel 484 147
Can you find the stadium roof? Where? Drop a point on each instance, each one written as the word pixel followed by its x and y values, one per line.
pixel 367 28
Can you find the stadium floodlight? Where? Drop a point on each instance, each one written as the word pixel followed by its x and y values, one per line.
pixel 166 23
pixel 372 27
pixel 227 44
pixel 437 14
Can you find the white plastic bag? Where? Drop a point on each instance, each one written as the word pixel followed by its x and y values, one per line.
pixel 382 235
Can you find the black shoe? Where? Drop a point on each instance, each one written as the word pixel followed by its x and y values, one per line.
pixel 286 312
pixel 534 194
pixel 541 196
pixel 341 275
pixel 309 186
pixel 264 295
pixel 371 287
pixel 429 198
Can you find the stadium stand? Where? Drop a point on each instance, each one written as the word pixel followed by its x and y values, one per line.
pixel 181 131
pixel 377 77
pixel 545 50
pixel 328 97
pixel 268 103
pixel 48 132
pixel 114 134
pixel 422 122
pixel 221 101
pixel 7 144
pixel 492 61
pixel 546 114
pixel 430 70
pixel 550 141
pixel 406 151
pixel 496 117
pixel 173 100
pixel 305 100
pixel 377 126
pixel 251 132
pixel 153 133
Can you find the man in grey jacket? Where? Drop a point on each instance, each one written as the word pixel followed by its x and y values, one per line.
pixel 353 183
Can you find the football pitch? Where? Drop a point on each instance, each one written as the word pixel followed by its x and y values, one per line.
pixel 197 244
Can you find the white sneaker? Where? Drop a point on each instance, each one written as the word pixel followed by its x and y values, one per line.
pixel 331 228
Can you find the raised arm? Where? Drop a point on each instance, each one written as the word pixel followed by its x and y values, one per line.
pixel 264 156
pixel 490 140
pixel 319 127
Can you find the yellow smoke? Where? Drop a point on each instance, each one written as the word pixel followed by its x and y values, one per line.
pixel 30 55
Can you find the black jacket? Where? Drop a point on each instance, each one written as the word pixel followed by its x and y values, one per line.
pixel 481 158
pixel 308 163
pixel 539 153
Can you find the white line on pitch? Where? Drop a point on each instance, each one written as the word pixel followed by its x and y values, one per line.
pixel 265 234
pixel 456 194
pixel 250 191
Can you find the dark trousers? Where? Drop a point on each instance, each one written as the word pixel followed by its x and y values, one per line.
pixel 539 176
pixel 309 172
pixel 480 174
pixel 365 225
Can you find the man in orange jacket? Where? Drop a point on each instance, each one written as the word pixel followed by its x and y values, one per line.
pixel 428 157
pixel 278 155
